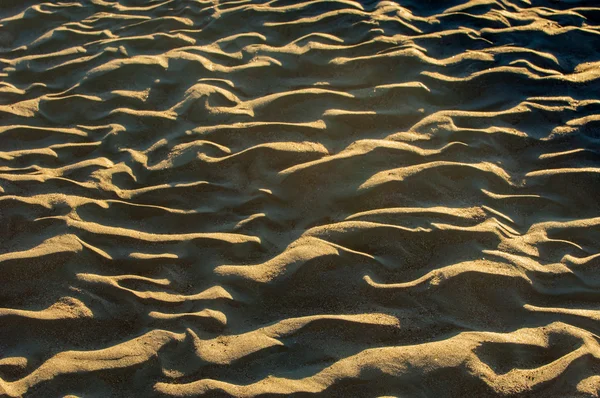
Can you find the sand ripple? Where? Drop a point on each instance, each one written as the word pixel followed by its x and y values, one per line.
pixel 276 198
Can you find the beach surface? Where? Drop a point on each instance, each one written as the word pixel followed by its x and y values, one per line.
pixel 300 198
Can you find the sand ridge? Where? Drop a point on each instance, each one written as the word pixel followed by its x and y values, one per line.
pixel 293 198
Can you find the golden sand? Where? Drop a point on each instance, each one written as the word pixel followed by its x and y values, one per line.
pixel 299 198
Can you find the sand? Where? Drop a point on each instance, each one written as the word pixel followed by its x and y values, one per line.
pixel 300 198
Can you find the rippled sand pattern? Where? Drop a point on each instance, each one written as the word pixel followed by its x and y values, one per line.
pixel 285 198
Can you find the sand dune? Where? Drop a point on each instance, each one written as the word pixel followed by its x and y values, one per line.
pixel 295 198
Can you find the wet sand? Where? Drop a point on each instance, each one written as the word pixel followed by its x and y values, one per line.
pixel 287 198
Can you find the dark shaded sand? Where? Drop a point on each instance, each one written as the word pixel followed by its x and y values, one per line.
pixel 287 198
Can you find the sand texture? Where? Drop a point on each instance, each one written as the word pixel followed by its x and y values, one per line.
pixel 300 198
